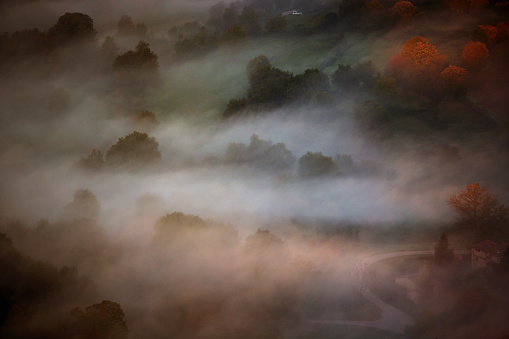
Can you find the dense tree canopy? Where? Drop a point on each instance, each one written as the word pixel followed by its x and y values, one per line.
pixel 478 209
pixel 142 58
pixel 316 164
pixel 135 150
pixel 443 254
pixel 474 55
pixel 260 153
pixel 73 27
pixel 104 320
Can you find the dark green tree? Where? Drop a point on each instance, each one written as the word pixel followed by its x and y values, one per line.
pixel 233 34
pixel 371 115
pixel 443 254
pixel 234 106
pixel 73 27
pixel 103 321
pixel 135 150
pixel 343 77
pixel 316 164
pixel 230 15
pixel 260 153
pixel 250 21
pixel 311 82
pixel 142 58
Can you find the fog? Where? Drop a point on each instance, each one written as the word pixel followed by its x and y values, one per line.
pixel 220 230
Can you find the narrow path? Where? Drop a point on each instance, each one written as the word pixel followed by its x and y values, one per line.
pixel 392 319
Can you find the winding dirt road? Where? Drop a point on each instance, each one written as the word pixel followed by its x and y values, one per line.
pixel 392 319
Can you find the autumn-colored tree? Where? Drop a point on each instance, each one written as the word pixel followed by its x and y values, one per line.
pixel 489 31
pixel 453 79
pixel 402 12
pixel 477 208
pixel 474 55
pixel 474 4
pixel 418 66
pixel 422 56
pixel 457 5
pixel 492 34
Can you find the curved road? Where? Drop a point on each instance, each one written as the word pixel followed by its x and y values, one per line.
pixel 392 319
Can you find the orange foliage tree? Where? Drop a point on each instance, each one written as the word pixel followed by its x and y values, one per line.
pixel 453 78
pixel 418 65
pixel 464 5
pixel 474 55
pixel 422 56
pixel 478 3
pixel 403 11
pixel 477 208
pixel 457 5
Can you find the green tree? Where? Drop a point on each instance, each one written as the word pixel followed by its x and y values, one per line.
pixel 234 106
pixel 142 58
pixel 371 115
pixel 135 150
pixel 233 34
pixel 478 209
pixel 343 77
pixel 260 153
pixel 276 24
pixel 311 82
pixel 316 164
pixel 250 21
pixel 73 27
pixel 230 15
